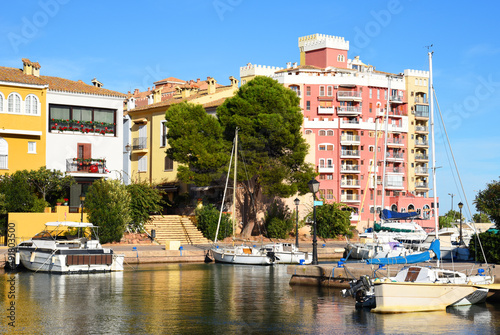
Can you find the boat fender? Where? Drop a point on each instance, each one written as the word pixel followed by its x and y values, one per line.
pixel 18 260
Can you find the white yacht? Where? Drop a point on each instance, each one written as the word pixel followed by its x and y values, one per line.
pixel 67 247
pixel 288 253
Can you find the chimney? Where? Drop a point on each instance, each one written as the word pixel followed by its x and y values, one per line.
pixel 288 65
pixel 96 83
pixel 211 85
pixel 131 103
pixel 295 64
pixel 185 91
pixel 136 91
pixel 234 82
pixel 31 68
pixel 157 95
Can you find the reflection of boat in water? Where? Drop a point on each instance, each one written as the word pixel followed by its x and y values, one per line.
pixel 58 249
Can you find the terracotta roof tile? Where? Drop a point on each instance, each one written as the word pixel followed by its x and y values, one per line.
pixel 13 75
pixel 66 85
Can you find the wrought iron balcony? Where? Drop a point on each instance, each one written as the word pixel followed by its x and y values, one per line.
pixel 86 165
pixel 349 168
pixel 139 143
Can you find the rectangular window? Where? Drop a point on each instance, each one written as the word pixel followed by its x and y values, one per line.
pixel 163 139
pixel 329 91
pixel 308 90
pixel 378 94
pixel 82 119
pixel 308 105
pixel 329 147
pixel 329 176
pixel 169 164
pixel 371 93
pixel 322 91
pixel 32 147
pixel 142 163
pixel 329 194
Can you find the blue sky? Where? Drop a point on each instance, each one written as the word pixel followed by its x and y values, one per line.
pixel 130 44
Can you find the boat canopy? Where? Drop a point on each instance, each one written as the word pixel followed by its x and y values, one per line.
pixel 392 215
pixel 410 259
pixel 71 224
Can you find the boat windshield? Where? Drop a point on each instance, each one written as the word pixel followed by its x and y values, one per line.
pixel 65 233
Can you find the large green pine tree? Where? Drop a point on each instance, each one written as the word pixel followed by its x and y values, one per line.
pixel 272 151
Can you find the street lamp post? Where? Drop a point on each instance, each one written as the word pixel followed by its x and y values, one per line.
pixel 82 200
pixel 314 187
pixel 297 203
pixel 460 205
pixel 451 195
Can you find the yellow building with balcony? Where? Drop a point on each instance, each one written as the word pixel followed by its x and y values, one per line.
pixel 148 146
pixel 22 118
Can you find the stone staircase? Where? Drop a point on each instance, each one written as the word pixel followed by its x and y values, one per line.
pixel 175 228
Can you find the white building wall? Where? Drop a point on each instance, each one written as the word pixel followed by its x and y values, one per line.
pixel 63 146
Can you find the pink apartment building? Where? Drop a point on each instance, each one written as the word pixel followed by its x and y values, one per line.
pixel 345 103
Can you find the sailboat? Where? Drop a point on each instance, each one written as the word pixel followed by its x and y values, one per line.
pixel 238 254
pixel 421 288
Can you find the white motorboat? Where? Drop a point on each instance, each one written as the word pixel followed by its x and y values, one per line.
pixel 375 250
pixel 67 247
pixel 420 289
pixel 288 253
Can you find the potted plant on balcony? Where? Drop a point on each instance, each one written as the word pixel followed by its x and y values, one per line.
pixel 60 201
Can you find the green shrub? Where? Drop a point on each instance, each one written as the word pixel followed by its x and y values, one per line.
pixel 490 242
pixel 208 217
pixel 278 221
pixel 333 219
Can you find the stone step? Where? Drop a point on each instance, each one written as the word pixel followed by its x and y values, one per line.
pixel 177 228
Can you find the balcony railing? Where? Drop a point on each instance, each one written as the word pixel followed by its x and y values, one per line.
pixel 396 98
pixel 349 182
pixel 421 170
pixel 81 127
pixel 139 143
pixel 350 153
pixel 326 110
pixel 348 95
pixel 349 123
pixel 348 110
pixel 394 183
pixel 422 185
pixel 395 155
pixel 349 168
pixel 421 128
pixel 422 114
pixel 421 142
pixel 396 113
pixel 395 169
pixel 394 141
pixel 86 165
pixel 421 156
pixel 421 100
pixel 350 138
pixel 349 197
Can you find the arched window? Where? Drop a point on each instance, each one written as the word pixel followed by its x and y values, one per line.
pixel 322 133
pixel 394 208
pixel 427 212
pixel 4 154
pixel 321 163
pixel 308 131
pixel 411 208
pixel 31 104
pixel 340 58
pixel 1 102
pixel 329 133
pixel 14 103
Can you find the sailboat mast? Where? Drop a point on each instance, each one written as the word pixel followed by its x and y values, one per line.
pixel 234 183
pixel 385 144
pixel 433 148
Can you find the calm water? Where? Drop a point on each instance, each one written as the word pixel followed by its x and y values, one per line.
pixel 208 299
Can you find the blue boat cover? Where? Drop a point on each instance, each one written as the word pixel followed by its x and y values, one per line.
pixel 388 215
pixel 410 259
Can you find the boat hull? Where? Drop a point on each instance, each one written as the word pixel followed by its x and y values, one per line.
pixel 290 257
pixel 80 262
pixel 237 256
pixel 403 297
